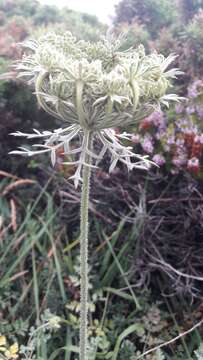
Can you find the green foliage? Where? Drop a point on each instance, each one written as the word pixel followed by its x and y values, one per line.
pixel 24 8
pixel 85 26
pixel 46 15
pixel 3 65
pixel 154 14
pixel 135 34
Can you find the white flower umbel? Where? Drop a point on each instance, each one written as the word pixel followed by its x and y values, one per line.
pixel 92 88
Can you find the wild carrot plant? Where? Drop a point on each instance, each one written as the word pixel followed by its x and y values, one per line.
pixel 93 89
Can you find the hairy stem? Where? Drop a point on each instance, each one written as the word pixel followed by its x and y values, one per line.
pixel 84 254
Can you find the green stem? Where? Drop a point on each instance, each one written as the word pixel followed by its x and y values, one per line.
pixel 84 256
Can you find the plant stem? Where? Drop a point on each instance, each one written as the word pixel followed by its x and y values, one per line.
pixel 84 254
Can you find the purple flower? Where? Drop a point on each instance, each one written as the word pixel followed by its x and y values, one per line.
pixel 195 88
pixel 160 134
pixel 179 108
pixel 180 142
pixel 192 92
pixel 159 159
pixel 147 144
pixel 190 109
pixel 171 140
pixel 180 151
pixel 157 119
pixel 181 123
pixel 199 109
pixel 179 160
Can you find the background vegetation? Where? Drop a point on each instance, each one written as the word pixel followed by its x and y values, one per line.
pixel 146 248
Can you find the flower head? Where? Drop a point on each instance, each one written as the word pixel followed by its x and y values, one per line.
pixel 93 88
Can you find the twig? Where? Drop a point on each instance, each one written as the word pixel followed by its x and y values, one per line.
pixel 17 183
pixel 165 264
pixel 6 174
pixel 174 200
pixel 170 341
pixel 13 215
pixel 20 274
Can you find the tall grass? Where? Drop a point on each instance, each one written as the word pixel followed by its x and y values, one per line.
pixel 36 267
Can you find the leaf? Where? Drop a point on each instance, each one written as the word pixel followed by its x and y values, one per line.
pixel 69 348
pixel 70 246
pixel 119 293
pixel 199 352
pixel 131 329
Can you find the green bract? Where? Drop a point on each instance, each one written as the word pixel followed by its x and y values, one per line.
pixel 93 88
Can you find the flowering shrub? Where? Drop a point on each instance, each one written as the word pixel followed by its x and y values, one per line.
pixel 186 40
pixel 176 144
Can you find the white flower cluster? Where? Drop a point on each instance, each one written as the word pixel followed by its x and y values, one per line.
pixel 93 88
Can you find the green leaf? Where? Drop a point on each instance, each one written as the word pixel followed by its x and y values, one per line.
pixel 131 329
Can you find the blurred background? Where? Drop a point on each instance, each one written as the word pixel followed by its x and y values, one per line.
pixel 146 229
